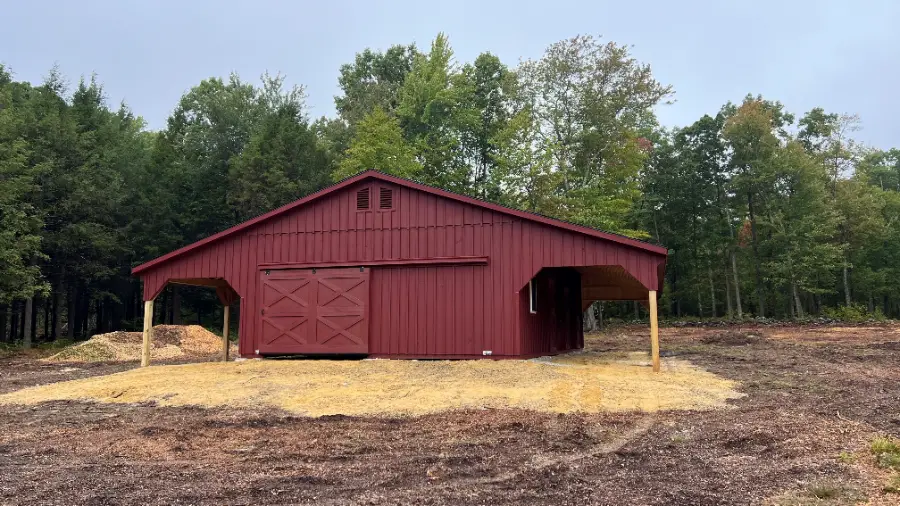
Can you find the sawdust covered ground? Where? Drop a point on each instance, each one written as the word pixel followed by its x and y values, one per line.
pixel 586 382
pixel 169 342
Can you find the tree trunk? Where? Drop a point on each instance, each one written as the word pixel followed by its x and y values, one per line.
pixel 101 318
pixel 760 295
pixel 600 315
pixel 14 321
pixel 871 303
pixel 700 303
pixel 56 320
pixel 737 286
pixel 176 306
pixel 797 301
pixel 590 321
pixel 674 309
pixel 4 314
pixel 85 313
pixel 35 305
pixel 712 290
pixel 48 303
pixel 70 313
pixel 130 302
pixel 729 310
pixel 26 332
pixel 847 297
pixel 637 311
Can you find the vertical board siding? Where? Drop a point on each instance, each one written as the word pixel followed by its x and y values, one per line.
pixel 430 311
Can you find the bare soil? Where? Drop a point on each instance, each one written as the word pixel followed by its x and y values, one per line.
pixel 816 398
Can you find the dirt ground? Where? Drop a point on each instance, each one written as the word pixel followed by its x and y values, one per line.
pixel 815 399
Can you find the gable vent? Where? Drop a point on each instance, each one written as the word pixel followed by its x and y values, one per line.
pixel 386 198
pixel 362 199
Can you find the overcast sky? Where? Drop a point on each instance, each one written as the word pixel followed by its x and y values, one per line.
pixel 842 55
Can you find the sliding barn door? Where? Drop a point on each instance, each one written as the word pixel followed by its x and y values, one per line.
pixel 314 311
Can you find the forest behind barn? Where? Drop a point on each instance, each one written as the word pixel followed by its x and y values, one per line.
pixel 767 211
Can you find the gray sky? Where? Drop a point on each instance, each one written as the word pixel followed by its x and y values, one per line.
pixel 838 54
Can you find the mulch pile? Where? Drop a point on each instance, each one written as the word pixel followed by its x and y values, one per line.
pixel 169 342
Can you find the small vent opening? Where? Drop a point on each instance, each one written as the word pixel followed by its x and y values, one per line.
pixel 386 198
pixel 362 199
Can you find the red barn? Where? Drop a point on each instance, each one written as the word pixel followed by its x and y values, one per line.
pixel 382 266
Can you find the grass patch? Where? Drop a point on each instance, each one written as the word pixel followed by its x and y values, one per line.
pixel 893 485
pixel 825 491
pixel 820 493
pixel 847 457
pixel 887 452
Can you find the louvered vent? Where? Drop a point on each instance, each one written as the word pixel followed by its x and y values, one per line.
pixel 386 198
pixel 362 199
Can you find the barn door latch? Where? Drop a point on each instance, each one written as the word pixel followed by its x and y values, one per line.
pixel 362 269
pixel 267 272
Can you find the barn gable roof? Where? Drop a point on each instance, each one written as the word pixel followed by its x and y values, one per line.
pixel 374 174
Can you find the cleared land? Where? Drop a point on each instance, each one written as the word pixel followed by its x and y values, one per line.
pixel 816 398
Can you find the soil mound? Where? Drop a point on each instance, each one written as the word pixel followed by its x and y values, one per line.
pixel 169 341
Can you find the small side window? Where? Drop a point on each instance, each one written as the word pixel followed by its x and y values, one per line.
pixel 362 200
pixel 532 297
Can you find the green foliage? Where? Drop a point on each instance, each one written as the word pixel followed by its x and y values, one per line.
pixel 760 218
pixel 379 144
pixel 427 114
pixel 847 458
pixel 886 451
pixel 20 220
pixel 589 100
pixel 281 162
pixel 854 313
pixel 373 81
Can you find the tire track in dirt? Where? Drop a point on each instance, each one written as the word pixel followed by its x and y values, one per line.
pixel 540 462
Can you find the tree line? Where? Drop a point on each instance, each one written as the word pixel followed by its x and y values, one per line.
pixel 765 214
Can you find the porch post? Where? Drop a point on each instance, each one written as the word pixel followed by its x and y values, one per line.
pixel 227 312
pixel 148 332
pixel 654 331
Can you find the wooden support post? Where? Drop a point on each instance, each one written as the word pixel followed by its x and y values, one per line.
pixel 654 331
pixel 225 323
pixel 148 332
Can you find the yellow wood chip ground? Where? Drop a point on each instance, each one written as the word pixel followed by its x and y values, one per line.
pixel 169 341
pixel 573 383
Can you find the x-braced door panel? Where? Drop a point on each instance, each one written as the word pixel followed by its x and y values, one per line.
pixel 315 311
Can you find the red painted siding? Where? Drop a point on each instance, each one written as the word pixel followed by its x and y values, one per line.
pixel 442 309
